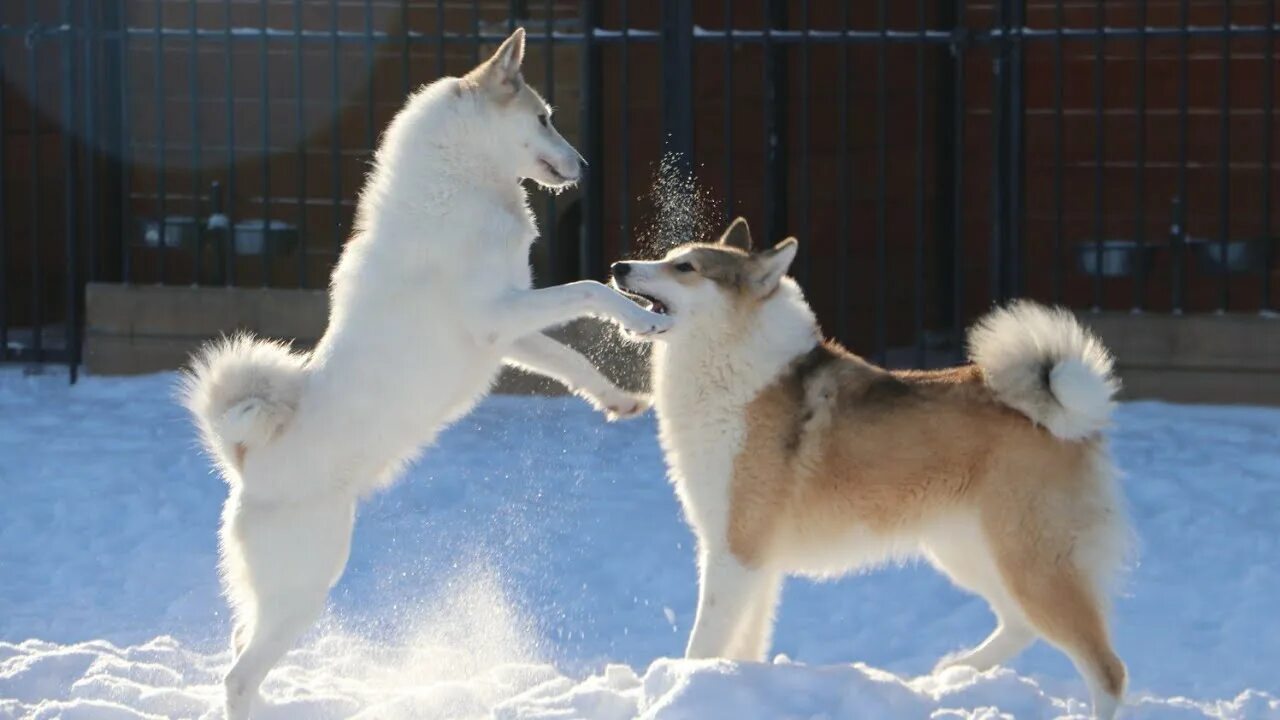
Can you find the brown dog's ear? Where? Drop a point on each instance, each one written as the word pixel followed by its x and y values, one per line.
pixel 770 265
pixel 501 72
pixel 737 235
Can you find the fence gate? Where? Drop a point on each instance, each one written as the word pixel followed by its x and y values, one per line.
pixel 933 156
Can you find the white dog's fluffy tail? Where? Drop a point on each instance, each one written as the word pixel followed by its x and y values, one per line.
pixel 242 391
pixel 1045 364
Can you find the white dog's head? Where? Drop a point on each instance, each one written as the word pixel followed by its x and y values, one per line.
pixel 511 123
pixel 705 286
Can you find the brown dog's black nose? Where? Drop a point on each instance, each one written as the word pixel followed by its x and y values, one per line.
pixel 621 269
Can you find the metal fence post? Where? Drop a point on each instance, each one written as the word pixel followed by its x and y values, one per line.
pixel 71 217
pixel 775 125
pixel 946 142
pixel 677 82
pixel 1016 185
pixel 1000 154
pixel 591 236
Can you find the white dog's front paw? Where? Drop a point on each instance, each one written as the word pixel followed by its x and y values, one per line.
pixel 621 405
pixel 646 324
pixel 628 406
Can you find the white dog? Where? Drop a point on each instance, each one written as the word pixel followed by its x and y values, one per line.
pixel 794 456
pixel 431 296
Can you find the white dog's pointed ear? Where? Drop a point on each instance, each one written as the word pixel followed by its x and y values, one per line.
pixel 737 235
pixel 771 265
pixel 500 74
pixel 508 57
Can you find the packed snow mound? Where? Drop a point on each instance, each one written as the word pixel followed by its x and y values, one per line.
pixel 342 677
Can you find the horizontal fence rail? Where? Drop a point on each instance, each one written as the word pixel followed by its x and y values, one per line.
pixel 933 157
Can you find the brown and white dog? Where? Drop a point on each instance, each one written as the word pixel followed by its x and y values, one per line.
pixel 792 455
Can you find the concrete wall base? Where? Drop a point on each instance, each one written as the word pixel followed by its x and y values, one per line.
pixel 1181 358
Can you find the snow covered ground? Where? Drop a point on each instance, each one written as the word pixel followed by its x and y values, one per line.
pixel 534 565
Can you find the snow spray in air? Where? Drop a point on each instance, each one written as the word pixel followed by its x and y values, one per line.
pixel 682 210
pixel 457 639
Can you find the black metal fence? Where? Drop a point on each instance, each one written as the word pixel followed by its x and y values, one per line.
pixel 934 157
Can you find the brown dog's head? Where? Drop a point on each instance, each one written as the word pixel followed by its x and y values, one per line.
pixel 702 284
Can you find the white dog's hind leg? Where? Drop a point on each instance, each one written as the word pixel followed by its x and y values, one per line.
pixel 545 356
pixel 726 591
pixel 756 633
pixel 279 623
pixel 532 311
pixel 292 555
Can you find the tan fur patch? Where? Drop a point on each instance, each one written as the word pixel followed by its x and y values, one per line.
pixel 837 441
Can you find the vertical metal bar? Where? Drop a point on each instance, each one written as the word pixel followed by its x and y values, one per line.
pixel 625 132
pixel 1268 128
pixel 1013 267
pixel 806 202
pixel 775 124
pixel 591 235
pixel 999 155
pixel 335 128
pixel 1178 234
pixel 125 149
pixel 1100 139
pixel 727 100
pixel 1059 261
pixel 161 108
pixel 440 64
pixel 404 48
pixel 89 63
pixel 882 94
pixel 1140 167
pixel 229 246
pixel 1224 158
pixel 33 137
pixel 304 141
pixel 677 82
pixel 549 220
pixel 264 60
pixel 370 130
pixel 944 144
pixel 71 324
pixel 115 99
pixel 4 212
pixel 920 348
pixel 475 32
pixel 958 184
pixel 843 200
pixel 193 86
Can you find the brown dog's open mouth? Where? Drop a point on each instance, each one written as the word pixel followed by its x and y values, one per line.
pixel 652 303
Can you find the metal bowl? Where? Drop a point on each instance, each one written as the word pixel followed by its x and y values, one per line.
pixel 254 237
pixel 178 231
pixel 1233 256
pixel 1114 258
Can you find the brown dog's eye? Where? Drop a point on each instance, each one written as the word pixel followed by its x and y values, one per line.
pixel 684 267
pixel 543 119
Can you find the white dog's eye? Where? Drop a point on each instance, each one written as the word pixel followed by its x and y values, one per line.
pixel 684 267
pixel 543 119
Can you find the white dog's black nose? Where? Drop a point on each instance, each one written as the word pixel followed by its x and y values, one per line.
pixel 582 164
pixel 621 269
